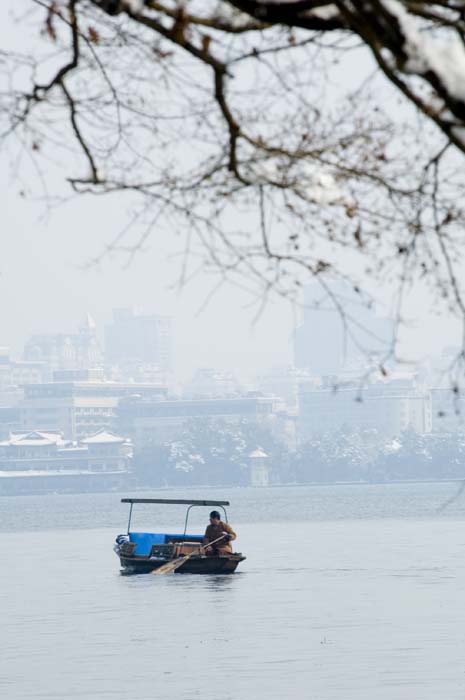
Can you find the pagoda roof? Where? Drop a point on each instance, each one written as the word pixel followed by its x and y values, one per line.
pixel 34 438
pixel 102 437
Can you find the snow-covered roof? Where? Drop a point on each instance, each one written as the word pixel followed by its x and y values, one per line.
pixel 102 437
pixel 36 473
pixel 33 439
pixel 258 453
pixel 72 449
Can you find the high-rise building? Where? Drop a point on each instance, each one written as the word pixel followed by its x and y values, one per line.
pixel 62 351
pixel 135 338
pixel 338 331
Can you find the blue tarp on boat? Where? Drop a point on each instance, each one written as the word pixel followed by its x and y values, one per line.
pixel 145 540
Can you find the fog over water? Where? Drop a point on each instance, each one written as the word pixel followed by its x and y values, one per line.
pixel 347 592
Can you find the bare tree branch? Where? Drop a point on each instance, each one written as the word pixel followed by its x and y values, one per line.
pixel 228 121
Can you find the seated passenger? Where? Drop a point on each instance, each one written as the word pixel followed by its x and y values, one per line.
pixel 218 528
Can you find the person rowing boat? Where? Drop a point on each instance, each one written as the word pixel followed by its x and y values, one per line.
pixel 216 529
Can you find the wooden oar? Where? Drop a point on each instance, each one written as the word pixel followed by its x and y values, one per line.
pixel 176 563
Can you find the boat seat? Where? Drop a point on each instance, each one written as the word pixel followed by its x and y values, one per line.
pixel 184 538
pixel 183 548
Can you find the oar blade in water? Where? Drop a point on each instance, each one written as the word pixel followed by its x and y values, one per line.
pixel 171 565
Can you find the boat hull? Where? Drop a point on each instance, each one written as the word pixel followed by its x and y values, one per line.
pixel 194 565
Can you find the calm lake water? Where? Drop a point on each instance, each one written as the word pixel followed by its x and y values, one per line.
pixel 348 592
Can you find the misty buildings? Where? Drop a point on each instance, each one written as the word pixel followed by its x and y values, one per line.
pixel 147 421
pixel 15 373
pixel 343 341
pixel 210 383
pixel 78 408
pixel 283 382
pixel 9 420
pixel 390 408
pixel 136 340
pixel 80 350
pixel 338 331
pixel 138 348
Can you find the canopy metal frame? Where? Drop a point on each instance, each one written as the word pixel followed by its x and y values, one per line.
pixel 176 501
pixel 196 504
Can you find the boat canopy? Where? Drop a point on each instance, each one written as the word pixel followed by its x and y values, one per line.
pixel 179 501
pixel 189 502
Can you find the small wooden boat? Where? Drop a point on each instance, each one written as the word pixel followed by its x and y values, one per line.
pixel 144 552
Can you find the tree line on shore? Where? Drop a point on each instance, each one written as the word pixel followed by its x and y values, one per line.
pixel 216 452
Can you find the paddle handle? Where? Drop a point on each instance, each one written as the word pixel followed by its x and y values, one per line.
pixel 205 546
